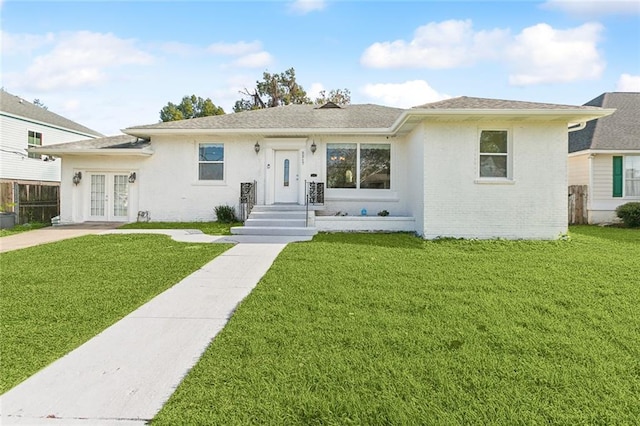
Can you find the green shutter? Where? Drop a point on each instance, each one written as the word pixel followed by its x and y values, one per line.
pixel 617 176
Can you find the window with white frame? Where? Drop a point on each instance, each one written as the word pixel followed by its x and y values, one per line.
pixel 359 165
pixel 494 154
pixel 211 161
pixel 34 140
pixel 632 176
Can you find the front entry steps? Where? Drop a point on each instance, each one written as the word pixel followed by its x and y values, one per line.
pixel 278 220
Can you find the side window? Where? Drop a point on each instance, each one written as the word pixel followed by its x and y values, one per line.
pixel 34 140
pixel 494 154
pixel 211 161
pixel 632 176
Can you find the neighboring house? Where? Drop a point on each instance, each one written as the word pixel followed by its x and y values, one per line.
pixel 463 167
pixel 24 125
pixel 605 156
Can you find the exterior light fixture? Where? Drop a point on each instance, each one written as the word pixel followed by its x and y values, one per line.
pixel 132 177
pixel 77 177
pixel 314 147
pixel 256 147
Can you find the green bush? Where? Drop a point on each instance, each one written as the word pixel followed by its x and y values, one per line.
pixel 226 214
pixel 630 214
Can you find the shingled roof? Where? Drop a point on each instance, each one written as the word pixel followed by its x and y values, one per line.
pixel 365 116
pixel 619 131
pixel 111 142
pixel 466 102
pixel 17 106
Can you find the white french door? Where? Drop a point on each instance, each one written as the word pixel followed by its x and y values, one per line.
pixel 286 177
pixel 109 197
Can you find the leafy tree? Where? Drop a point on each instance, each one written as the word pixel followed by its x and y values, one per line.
pixel 278 89
pixel 190 107
pixel 337 96
pixel 39 103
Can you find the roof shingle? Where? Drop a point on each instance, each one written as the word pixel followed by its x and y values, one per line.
pixel 17 106
pixel 619 131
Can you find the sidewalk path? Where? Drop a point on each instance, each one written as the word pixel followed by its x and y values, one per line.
pixel 124 375
pixel 51 234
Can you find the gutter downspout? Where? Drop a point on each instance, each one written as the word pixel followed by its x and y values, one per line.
pixel 577 127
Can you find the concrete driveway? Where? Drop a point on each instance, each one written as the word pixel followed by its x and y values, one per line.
pixel 52 234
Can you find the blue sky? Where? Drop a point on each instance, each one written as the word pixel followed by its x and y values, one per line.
pixel 110 65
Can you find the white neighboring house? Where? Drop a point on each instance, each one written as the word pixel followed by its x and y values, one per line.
pixel 463 167
pixel 24 125
pixel 605 156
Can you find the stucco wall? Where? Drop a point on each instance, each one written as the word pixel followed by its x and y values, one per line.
pixel 532 205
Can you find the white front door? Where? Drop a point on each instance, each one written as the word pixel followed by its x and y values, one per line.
pixel 109 197
pixel 286 176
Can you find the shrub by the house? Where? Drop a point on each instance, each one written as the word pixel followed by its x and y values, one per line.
pixel 630 214
pixel 226 214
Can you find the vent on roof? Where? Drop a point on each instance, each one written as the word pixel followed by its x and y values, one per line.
pixel 329 105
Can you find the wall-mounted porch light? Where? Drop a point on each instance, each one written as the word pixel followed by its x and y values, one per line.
pixel 132 177
pixel 77 177
pixel 256 147
pixel 313 147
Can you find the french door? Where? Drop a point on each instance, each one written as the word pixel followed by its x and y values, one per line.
pixel 109 197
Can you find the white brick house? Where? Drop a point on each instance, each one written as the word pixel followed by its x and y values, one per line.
pixel 464 167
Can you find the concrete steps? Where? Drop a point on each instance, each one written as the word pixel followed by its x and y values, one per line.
pixel 278 220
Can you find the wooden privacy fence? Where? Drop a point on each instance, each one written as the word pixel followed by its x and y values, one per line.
pixel 33 202
pixel 578 204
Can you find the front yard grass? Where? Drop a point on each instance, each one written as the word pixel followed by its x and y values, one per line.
pixel 211 228
pixel 390 329
pixel 56 296
pixel 22 228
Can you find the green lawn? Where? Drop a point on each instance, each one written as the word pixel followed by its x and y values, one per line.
pixel 22 228
pixel 54 297
pixel 389 329
pixel 212 228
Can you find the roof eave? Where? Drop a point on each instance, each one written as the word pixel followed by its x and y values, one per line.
pixel 142 133
pixel 53 126
pixel 144 152
pixel 591 151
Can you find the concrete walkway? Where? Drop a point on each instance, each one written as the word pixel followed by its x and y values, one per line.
pixel 124 375
pixel 51 234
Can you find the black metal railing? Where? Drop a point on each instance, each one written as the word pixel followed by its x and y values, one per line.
pixel 247 199
pixel 314 195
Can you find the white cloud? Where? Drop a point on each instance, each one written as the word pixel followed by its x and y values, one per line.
pixel 314 90
pixel 593 8
pixel 23 43
pixel 181 49
pixel 628 83
pixel 307 6
pixel 250 54
pixel 437 45
pixel 542 54
pixel 79 59
pixel 254 60
pixel 403 95
pixel 539 54
pixel 235 49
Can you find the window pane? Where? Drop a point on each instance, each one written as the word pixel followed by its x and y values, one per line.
pixel 493 141
pixel 211 152
pixel 341 165
pixel 375 166
pixel 211 171
pixel 120 195
pixel 632 176
pixel 493 166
